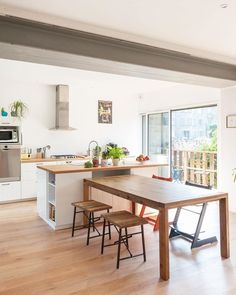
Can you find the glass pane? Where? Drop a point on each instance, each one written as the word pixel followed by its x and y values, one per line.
pixel 158 136
pixel 194 145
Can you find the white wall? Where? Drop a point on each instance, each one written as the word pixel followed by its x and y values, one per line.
pixel 40 99
pixel 227 146
pixel 180 95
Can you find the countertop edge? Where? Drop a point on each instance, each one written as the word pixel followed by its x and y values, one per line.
pixel 93 169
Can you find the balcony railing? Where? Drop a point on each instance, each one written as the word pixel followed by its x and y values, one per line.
pixel 198 167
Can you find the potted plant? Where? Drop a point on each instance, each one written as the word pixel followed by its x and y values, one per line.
pixel 105 157
pixel 116 153
pixel 96 154
pixel 3 112
pixel 18 109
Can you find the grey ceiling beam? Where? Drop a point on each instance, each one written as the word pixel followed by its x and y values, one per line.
pixel 26 33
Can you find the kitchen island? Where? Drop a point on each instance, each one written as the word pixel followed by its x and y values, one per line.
pixel 60 185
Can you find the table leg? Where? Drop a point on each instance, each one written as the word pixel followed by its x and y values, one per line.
pixel 224 227
pixel 133 207
pixel 86 190
pixel 164 244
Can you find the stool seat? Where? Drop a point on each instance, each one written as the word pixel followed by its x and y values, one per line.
pixel 91 206
pixel 123 219
pixel 88 209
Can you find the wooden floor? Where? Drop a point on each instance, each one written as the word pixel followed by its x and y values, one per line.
pixel 36 260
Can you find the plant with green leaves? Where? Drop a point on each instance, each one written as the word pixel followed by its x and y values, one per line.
pixel 97 151
pixel 116 153
pixel 18 109
pixel 105 154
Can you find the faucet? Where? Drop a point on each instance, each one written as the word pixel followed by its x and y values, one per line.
pixel 89 147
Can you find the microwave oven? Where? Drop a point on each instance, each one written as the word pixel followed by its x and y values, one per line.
pixel 9 135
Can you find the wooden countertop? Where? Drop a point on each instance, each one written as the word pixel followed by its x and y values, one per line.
pixel 70 168
pixel 36 160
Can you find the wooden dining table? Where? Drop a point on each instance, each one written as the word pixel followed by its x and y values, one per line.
pixel 163 195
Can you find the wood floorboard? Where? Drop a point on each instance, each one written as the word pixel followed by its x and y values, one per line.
pixel 36 260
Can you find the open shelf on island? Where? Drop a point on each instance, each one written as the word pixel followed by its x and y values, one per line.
pixel 52 179
pixel 51 212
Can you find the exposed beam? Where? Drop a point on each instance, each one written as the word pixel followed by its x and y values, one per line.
pixel 35 35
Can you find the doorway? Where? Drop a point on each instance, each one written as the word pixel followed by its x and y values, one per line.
pixel 185 138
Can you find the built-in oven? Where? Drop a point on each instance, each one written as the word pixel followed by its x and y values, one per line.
pixel 10 169
pixel 10 135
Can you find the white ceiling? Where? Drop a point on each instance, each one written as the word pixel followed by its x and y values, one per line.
pixel 199 27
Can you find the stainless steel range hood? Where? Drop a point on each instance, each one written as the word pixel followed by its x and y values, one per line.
pixel 62 108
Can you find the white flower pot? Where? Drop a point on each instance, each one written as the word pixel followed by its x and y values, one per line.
pixel 115 162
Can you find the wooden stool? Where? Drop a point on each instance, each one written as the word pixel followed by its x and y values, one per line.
pixel 123 220
pixel 88 208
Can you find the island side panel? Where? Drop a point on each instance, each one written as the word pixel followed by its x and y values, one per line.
pixel 69 188
pixel 42 184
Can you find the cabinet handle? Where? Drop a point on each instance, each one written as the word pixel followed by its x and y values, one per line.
pixel 5 183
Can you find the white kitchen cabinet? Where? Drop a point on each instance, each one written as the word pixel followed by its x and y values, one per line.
pixel 10 191
pixel 29 178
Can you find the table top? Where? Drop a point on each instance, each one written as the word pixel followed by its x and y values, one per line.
pixel 153 192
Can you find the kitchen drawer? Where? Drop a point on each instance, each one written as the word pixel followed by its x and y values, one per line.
pixel 10 191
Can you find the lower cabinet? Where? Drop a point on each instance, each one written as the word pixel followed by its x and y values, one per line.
pixel 10 191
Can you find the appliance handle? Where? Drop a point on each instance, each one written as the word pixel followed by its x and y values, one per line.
pixel 5 183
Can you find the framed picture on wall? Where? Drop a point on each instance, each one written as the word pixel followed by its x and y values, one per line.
pixel 231 121
pixel 105 111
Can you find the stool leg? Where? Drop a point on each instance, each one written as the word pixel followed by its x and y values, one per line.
pixel 93 221
pixel 109 226
pixel 73 226
pixel 103 235
pixel 89 225
pixel 143 242
pixel 126 234
pixel 118 252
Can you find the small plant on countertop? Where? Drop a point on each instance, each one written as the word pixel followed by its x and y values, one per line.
pixel 88 164
pixel 116 153
pixel 18 109
pixel 105 154
pixel 126 151
pixel 97 151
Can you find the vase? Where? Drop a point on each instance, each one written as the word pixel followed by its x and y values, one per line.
pixel 115 162
pixel 104 162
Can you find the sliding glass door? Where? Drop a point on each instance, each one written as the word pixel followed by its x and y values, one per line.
pixel 187 140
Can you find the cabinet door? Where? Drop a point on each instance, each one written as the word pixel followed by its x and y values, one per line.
pixel 28 171
pixel 10 191
pixel 28 189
